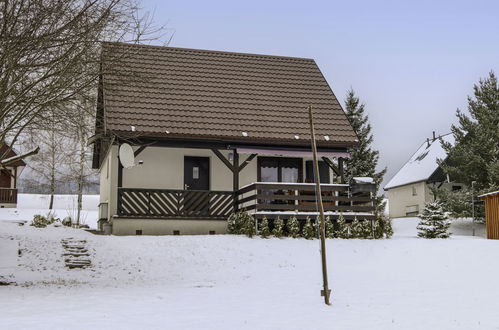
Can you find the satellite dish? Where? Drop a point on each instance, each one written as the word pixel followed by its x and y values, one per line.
pixel 127 159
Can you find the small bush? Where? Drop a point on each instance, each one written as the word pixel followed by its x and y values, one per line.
pixel 342 229
pixel 329 228
pixel 308 229
pixel 383 227
pixel 39 221
pixel 235 223
pixel 249 227
pixel 264 228
pixel 356 230
pixel 293 227
pixel 278 230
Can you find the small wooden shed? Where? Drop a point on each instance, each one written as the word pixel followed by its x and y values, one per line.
pixel 491 213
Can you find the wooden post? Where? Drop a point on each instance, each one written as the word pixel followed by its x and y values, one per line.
pixel 341 170
pixel 235 177
pixel 120 181
pixel 326 292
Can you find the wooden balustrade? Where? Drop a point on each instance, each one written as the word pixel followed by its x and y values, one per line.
pixel 8 196
pixel 170 203
pixel 269 198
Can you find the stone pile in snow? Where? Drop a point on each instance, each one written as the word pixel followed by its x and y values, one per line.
pixel 76 253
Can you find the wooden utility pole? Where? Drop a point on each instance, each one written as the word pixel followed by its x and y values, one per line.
pixel 325 292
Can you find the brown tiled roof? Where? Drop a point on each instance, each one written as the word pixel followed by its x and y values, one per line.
pixel 7 152
pixel 218 95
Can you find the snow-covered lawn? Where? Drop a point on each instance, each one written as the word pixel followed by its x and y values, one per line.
pixel 64 205
pixel 229 282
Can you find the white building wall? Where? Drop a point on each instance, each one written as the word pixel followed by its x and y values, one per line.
pixel 402 200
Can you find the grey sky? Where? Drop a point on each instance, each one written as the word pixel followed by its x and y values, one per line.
pixel 412 63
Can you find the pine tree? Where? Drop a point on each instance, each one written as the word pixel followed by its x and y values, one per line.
pixel 367 229
pixel 475 154
pixel 264 228
pixel 364 159
pixel 329 228
pixel 356 230
pixel 308 231
pixel 278 230
pixel 234 224
pixel 342 229
pixel 293 227
pixel 434 222
pixel 248 224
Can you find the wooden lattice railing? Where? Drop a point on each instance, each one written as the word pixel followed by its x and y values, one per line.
pixel 8 195
pixel 170 203
pixel 273 198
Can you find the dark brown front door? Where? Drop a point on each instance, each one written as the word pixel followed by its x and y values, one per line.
pixel 196 173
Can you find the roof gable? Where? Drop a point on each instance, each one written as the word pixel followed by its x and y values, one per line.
pixel 8 152
pixel 185 93
pixel 423 163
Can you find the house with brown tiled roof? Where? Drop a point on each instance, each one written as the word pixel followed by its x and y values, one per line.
pixel 9 176
pixel 186 137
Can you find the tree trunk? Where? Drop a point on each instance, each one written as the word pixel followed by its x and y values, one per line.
pixel 52 165
pixel 80 173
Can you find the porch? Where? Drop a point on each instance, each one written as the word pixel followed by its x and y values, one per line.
pixel 8 196
pixel 269 199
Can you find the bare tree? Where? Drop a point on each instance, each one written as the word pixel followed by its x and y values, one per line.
pixel 49 164
pixel 49 52
pixel 81 128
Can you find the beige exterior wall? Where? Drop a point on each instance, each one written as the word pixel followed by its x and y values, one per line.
pixel 166 227
pixel 163 168
pixel 401 199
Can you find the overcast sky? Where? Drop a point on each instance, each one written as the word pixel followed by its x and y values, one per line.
pixel 412 63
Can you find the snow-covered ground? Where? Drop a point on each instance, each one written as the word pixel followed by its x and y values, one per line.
pixel 64 205
pixel 232 282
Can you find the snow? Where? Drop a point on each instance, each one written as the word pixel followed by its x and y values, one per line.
pixel 490 194
pixel 233 282
pixel 64 205
pixel 422 164
pixel 297 184
pixel 363 179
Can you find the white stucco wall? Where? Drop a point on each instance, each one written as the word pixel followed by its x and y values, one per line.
pixel 167 227
pixel 401 198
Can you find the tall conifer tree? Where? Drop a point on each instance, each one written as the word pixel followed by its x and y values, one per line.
pixel 475 153
pixel 364 159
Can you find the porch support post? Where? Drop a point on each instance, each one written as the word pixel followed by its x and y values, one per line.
pixel 331 165
pixel 120 181
pixel 223 159
pixel 235 177
pixel 341 170
pixel 139 150
pixel 247 161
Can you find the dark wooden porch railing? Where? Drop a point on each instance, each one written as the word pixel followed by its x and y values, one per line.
pixel 8 195
pixel 269 198
pixel 170 203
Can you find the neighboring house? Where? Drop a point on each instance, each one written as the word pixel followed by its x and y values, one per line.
pixel 410 188
pixel 213 132
pixel 9 177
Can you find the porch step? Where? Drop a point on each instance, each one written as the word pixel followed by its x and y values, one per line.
pixel 76 254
